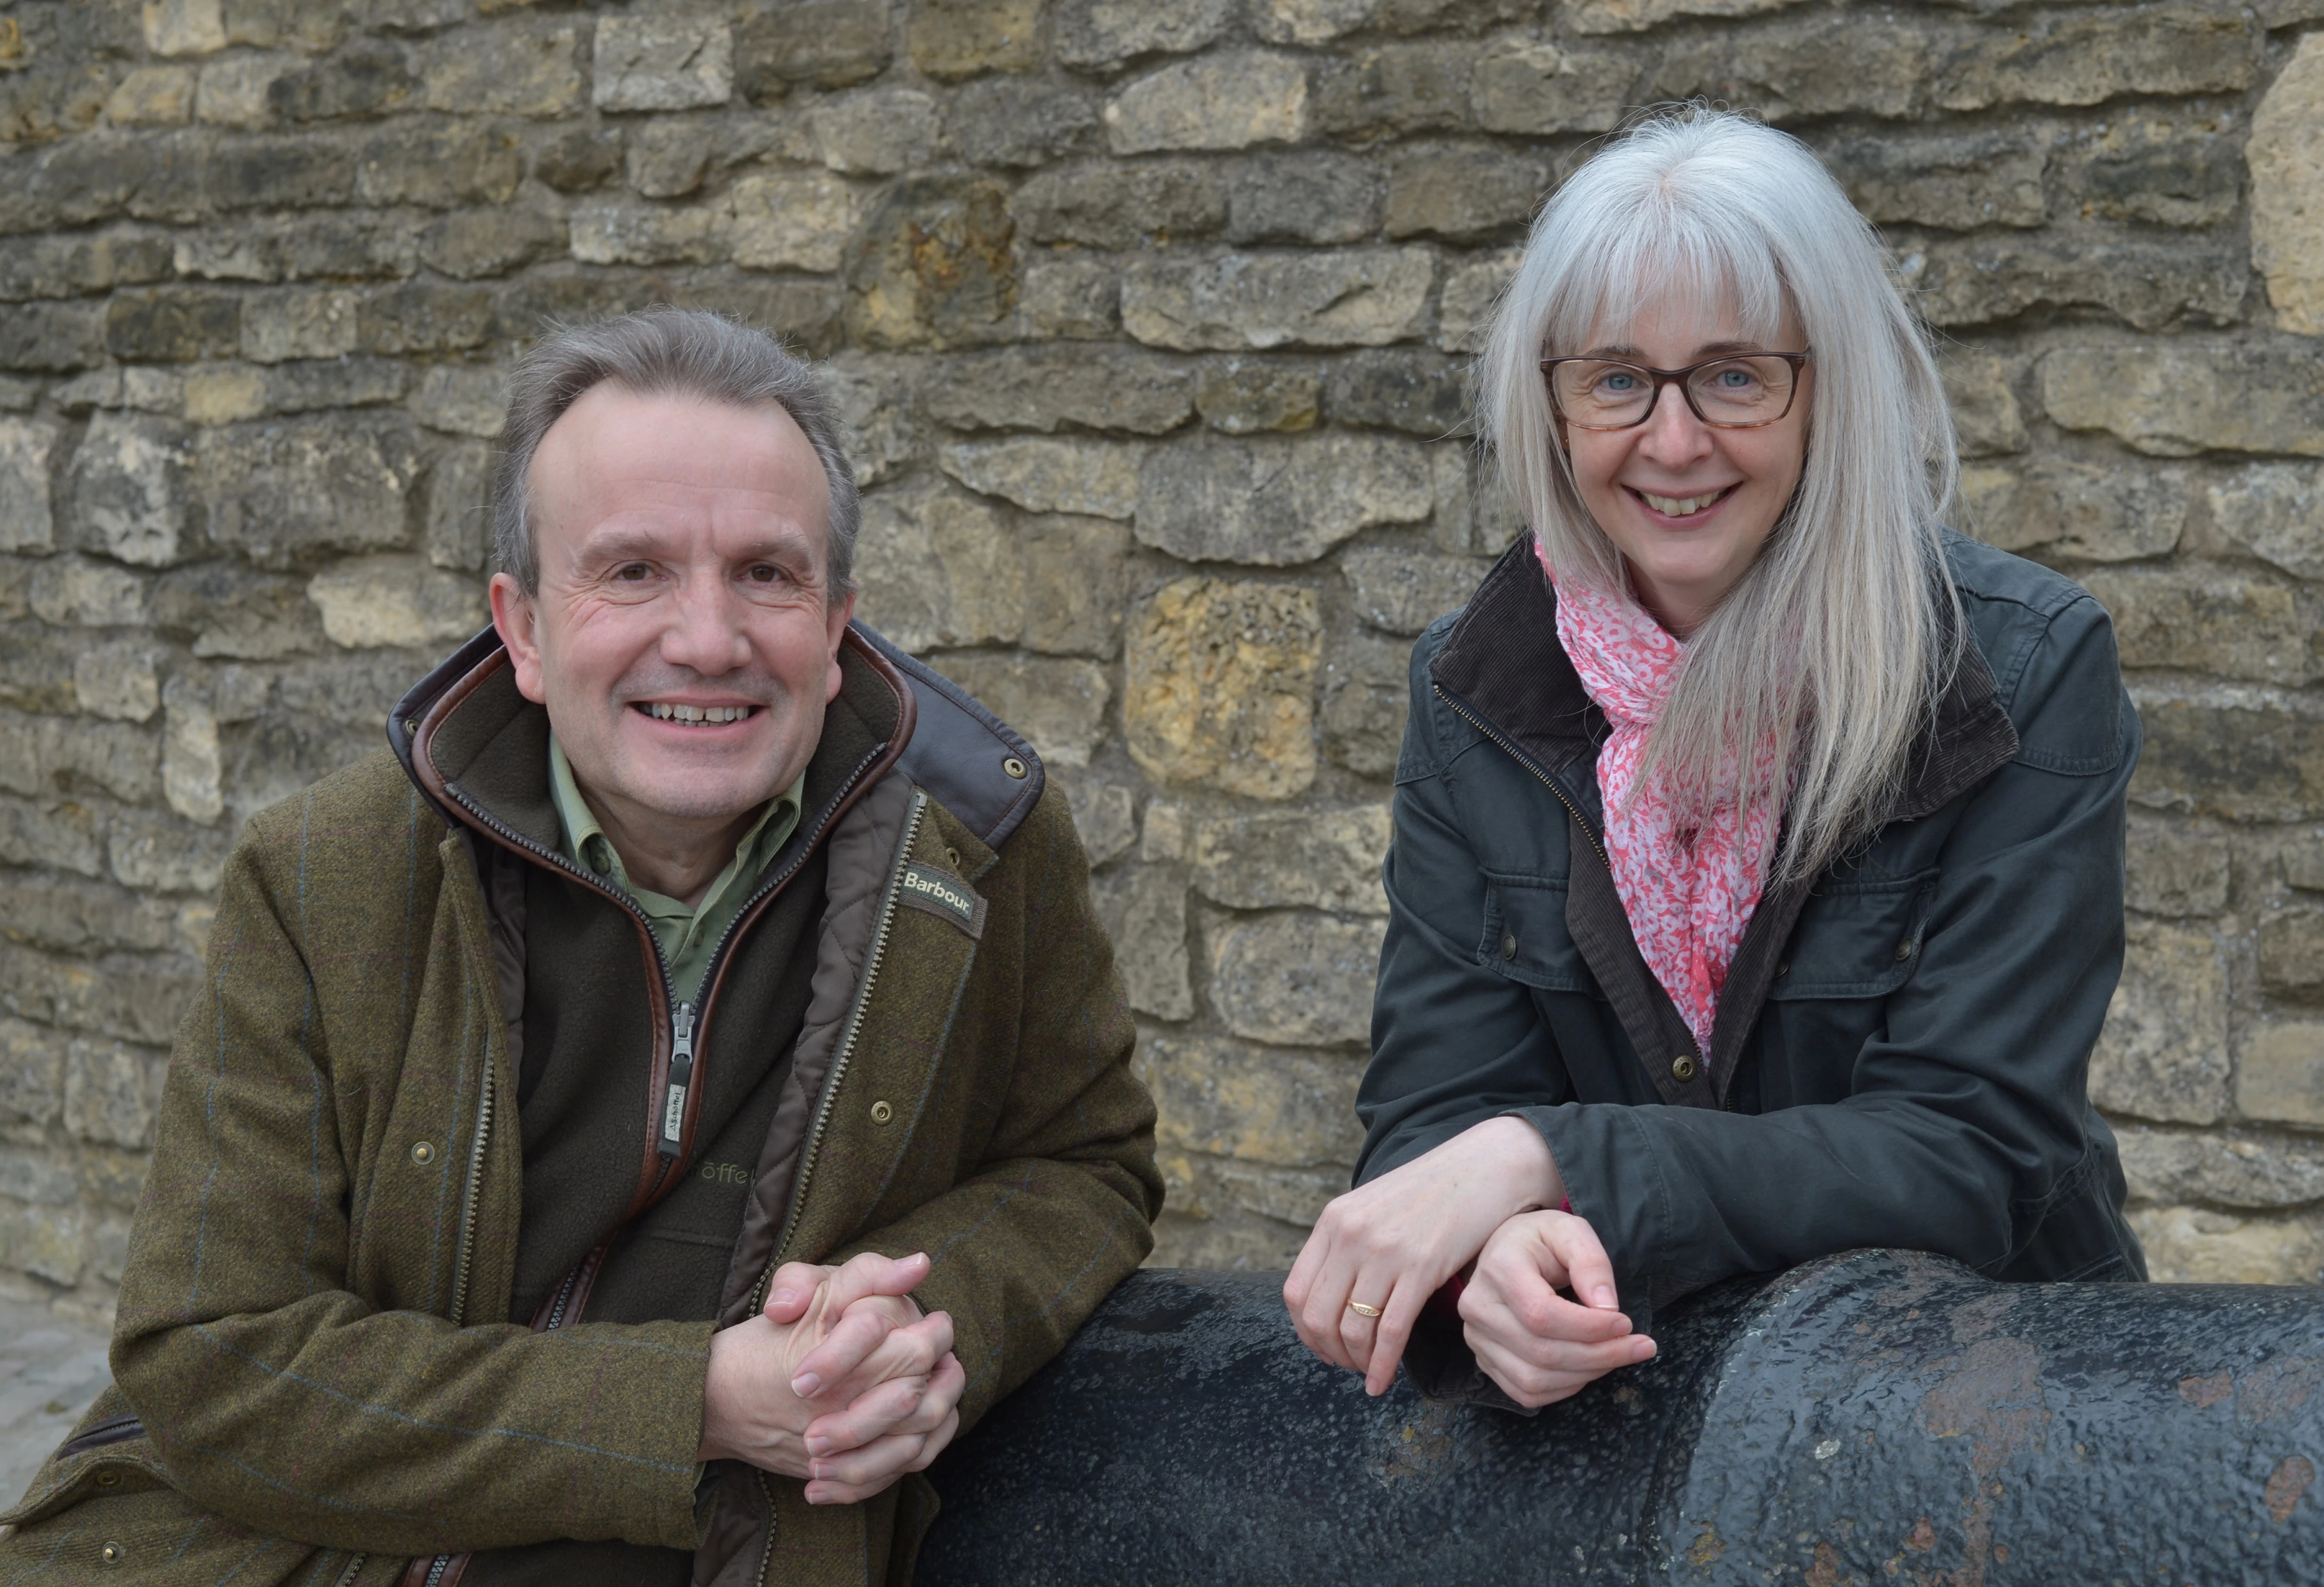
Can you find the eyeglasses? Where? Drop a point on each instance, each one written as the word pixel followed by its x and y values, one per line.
pixel 1740 391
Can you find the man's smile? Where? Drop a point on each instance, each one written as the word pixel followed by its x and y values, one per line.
pixel 694 716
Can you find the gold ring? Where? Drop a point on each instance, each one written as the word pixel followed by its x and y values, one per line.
pixel 1361 1310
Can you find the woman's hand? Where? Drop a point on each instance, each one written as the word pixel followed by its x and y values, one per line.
pixel 1538 1345
pixel 1391 1243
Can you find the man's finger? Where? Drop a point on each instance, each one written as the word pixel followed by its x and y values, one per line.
pixel 935 1442
pixel 910 1351
pixel 883 1409
pixel 870 1273
pixel 878 1462
pixel 853 1339
pixel 793 1288
pixel 1587 1272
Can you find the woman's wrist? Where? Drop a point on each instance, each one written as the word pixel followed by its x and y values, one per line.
pixel 1529 1168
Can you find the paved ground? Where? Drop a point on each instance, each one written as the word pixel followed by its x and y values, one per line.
pixel 50 1370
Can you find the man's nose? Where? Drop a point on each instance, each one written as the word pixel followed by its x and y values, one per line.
pixel 1674 435
pixel 704 632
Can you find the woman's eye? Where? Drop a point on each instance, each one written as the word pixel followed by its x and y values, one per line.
pixel 1619 382
pixel 1734 380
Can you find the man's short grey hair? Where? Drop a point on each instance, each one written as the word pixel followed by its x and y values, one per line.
pixel 664 352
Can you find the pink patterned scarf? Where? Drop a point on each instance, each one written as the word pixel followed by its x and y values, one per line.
pixel 1688 893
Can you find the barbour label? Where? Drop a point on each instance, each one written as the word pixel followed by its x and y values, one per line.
pixel 924 887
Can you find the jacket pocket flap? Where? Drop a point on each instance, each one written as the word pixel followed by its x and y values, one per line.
pixel 1525 936
pixel 1856 938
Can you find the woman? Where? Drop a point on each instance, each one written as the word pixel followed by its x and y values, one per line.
pixel 1756 883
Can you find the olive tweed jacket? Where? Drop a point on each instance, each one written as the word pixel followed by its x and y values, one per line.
pixel 314 1381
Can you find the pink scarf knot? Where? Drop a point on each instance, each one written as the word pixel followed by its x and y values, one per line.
pixel 1688 891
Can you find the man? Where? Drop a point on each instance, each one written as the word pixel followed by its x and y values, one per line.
pixel 625 1140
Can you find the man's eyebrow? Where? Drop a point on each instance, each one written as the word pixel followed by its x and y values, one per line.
pixel 633 544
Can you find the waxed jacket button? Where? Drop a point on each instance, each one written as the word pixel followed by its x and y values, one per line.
pixel 111 1554
pixel 1508 945
pixel 1014 767
pixel 1783 969
pixel 108 1478
pixel 1904 950
pixel 1683 1067
pixel 881 1112
pixel 422 1153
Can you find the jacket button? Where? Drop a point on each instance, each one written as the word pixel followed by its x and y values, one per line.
pixel 1904 950
pixel 1783 969
pixel 422 1153
pixel 111 1554
pixel 953 855
pixel 108 1478
pixel 1014 767
pixel 1683 1067
pixel 1508 945
pixel 881 1112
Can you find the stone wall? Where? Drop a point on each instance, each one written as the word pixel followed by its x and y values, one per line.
pixel 1150 317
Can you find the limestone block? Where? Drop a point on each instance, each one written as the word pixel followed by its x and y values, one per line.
pixel 58 834
pixel 32 1072
pixel 825 43
pixel 282 491
pixel 224 609
pixel 1250 396
pixel 792 220
pixel 28 448
pixel 2163 1053
pixel 1532 88
pixel 2085 57
pixel 1069 299
pixel 2243 754
pixel 1221 686
pixel 1298 979
pixel 1403 592
pixel 66 266
pixel 48 1243
pixel 2193 1245
pixel 1112 206
pixel 937 267
pixel 1358 297
pixel 76 591
pixel 2220 621
pixel 2176 870
pixel 1307 196
pixel 184 27
pixel 1230 100
pixel 939 568
pixel 2304 865
pixel 578 159
pixel 1958 183
pixel 459 490
pixel 1143 909
pixel 1233 1100
pixel 667 156
pixel 299 322
pixel 1395 89
pixel 1986 419
pixel 1019 121
pixel 35 1176
pixel 960 38
pixel 1277 501
pixel 109 1092
pixel 1102 34
pixel 1076 573
pixel 1098 479
pixel 875 411
pixel 662 62
pixel 39 754
pixel 2275 511
pixel 1817 64
pixel 367 76
pixel 226 394
pixel 1106 815
pixel 284 171
pixel 1412 389
pixel 236 92
pixel 117 680
pixel 1365 699
pixel 167 327
pixel 126 490
pixel 2175 398
pixel 52 337
pixel 1169 831
pixel 1632 16
pixel 395 601
pixel 2181 169
pixel 113 1178
pixel 1461 192
pixel 73 916
pixel 2076 510
pixel 1043 389
pixel 627 233
pixel 1058 704
pixel 1327 859
pixel 1309 22
pixel 878 131
pixel 2282 1075
pixel 1988 277
pixel 2292 950
pixel 1464 310
pixel 2205 1166
pixel 191 771
pixel 36 667
pixel 158 853
pixel 463 399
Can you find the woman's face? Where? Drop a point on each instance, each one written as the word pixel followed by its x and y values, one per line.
pixel 1689 505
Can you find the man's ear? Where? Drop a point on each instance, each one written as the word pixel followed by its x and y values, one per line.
pixel 514 615
pixel 841 612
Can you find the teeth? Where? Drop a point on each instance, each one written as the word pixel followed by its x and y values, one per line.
pixel 662 712
pixel 1680 506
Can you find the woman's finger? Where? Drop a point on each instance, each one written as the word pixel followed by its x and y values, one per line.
pixel 1393 1334
pixel 1588 1272
pixel 1359 1330
pixel 1319 1320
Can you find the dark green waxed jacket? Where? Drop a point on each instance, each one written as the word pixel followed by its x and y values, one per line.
pixel 1900 1048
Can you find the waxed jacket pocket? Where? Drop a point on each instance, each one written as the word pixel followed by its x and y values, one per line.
pixel 1856 939
pixel 1525 936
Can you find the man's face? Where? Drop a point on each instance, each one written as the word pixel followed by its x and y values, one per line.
pixel 683 637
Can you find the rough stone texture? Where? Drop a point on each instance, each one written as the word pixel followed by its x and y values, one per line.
pixel 1153 322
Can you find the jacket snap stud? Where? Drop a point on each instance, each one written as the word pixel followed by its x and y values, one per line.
pixel 1904 950
pixel 422 1153
pixel 108 1479
pixel 111 1554
pixel 881 1112
pixel 1014 767
pixel 1682 1066
pixel 1783 969
pixel 1508 945
pixel 953 855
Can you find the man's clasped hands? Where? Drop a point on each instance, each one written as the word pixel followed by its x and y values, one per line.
pixel 840 1379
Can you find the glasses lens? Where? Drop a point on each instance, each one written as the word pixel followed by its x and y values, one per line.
pixel 1593 392
pixel 1742 391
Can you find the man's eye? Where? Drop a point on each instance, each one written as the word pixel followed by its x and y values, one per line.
pixel 633 573
pixel 764 573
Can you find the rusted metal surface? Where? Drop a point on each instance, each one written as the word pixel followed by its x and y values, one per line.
pixel 1877 1417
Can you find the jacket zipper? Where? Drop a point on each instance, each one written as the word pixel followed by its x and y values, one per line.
pixel 1526 760
pixel 681 1069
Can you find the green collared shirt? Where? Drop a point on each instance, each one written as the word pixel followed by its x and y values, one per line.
pixel 687 936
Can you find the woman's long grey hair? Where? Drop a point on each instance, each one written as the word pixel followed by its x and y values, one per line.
pixel 1843 633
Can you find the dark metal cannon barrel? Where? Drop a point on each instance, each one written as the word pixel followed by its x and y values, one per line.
pixel 1875 1417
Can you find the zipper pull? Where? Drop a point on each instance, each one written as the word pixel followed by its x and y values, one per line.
pixel 681 1070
